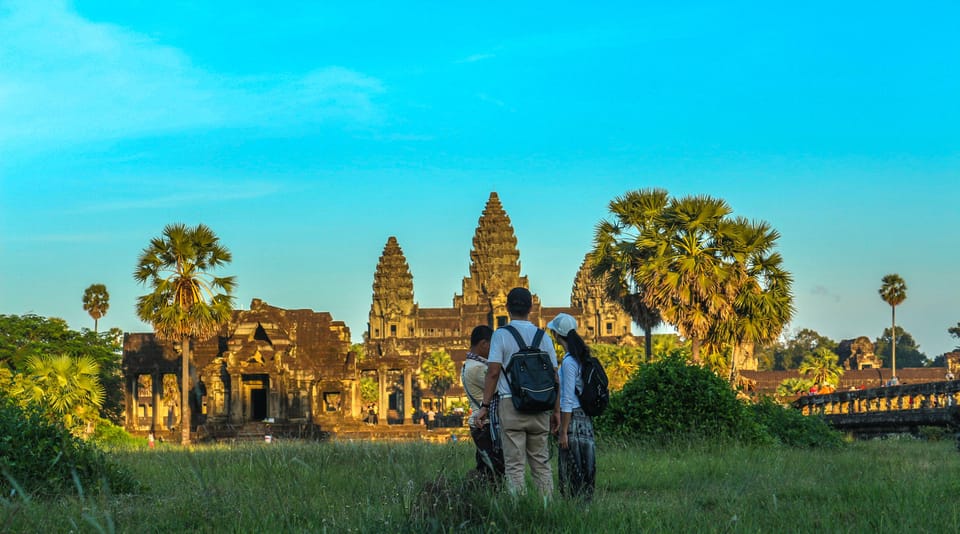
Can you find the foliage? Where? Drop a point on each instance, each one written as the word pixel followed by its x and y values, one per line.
pixel 369 389
pixel 792 428
pixel 954 331
pixel 870 486
pixel 27 337
pixel 109 436
pixel 617 261
pixel 714 277
pixel 893 292
pixel 96 302
pixel 42 457
pixel 439 372
pixel 789 354
pixel 185 301
pixel 67 387
pixel 619 362
pixel 794 386
pixel 672 399
pixel 908 351
pixel 822 367
pixel 360 350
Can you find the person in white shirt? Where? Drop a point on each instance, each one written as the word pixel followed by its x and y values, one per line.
pixel 577 459
pixel 524 435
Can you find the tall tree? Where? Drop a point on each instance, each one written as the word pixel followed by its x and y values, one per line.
pixel 439 373
pixel 186 301
pixel 763 305
pixel 686 276
pixel 617 259
pixel 893 291
pixel 955 332
pixel 907 348
pixel 96 302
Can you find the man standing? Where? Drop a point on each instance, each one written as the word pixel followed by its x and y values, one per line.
pixel 489 461
pixel 524 435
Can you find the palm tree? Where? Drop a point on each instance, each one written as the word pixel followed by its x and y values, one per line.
pixel 764 304
pixel 96 302
pixel 69 386
pixel 893 292
pixel 793 386
pixel 686 276
pixel 822 367
pixel 186 301
pixel 439 372
pixel 617 260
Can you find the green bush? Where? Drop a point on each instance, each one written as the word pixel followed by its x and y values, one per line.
pixel 671 399
pixel 109 436
pixel 42 457
pixel 790 427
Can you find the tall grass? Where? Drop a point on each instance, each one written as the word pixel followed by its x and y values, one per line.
pixel 877 486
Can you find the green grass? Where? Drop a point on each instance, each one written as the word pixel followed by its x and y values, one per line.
pixel 895 485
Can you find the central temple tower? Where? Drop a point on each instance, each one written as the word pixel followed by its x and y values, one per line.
pixel 494 269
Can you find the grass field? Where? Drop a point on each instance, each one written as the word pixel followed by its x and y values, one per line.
pixel 896 485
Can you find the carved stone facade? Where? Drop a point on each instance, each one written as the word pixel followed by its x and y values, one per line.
pixel 266 363
pixel 858 354
pixel 600 319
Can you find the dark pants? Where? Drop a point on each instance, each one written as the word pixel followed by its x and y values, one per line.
pixel 489 462
pixel 578 463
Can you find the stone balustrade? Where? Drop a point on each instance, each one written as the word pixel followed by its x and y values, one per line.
pixel 884 399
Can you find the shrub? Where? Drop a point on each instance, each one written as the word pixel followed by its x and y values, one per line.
pixel 671 398
pixel 790 427
pixel 109 436
pixel 42 457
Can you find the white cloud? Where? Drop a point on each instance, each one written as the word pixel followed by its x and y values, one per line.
pixel 67 79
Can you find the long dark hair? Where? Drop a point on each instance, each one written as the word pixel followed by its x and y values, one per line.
pixel 576 346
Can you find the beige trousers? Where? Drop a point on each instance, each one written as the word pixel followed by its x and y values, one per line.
pixel 525 441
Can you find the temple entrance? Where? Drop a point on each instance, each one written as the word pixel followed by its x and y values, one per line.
pixel 257 388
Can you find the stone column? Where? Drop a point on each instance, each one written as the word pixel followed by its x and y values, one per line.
pixel 407 396
pixel 236 398
pixel 130 398
pixel 156 380
pixel 383 401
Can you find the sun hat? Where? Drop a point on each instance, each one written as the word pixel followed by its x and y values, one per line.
pixel 562 324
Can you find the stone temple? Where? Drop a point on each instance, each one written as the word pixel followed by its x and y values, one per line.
pixel 296 366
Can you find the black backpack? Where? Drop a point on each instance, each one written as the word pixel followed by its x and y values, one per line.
pixel 531 376
pixel 595 396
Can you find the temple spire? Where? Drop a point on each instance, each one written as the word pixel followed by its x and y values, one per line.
pixel 392 293
pixel 495 259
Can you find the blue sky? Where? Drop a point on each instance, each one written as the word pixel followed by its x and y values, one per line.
pixel 305 134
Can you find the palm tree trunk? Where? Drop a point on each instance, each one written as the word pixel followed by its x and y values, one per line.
pixel 695 344
pixel 94 326
pixel 185 391
pixel 893 340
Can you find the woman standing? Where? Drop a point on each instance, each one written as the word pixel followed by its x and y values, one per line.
pixel 577 458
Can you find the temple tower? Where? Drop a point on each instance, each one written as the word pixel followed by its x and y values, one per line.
pixel 600 318
pixel 393 312
pixel 494 268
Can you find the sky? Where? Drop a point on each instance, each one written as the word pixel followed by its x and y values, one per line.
pixel 305 134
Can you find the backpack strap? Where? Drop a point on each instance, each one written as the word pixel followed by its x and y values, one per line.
pixel 537 338
pixel 516 336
